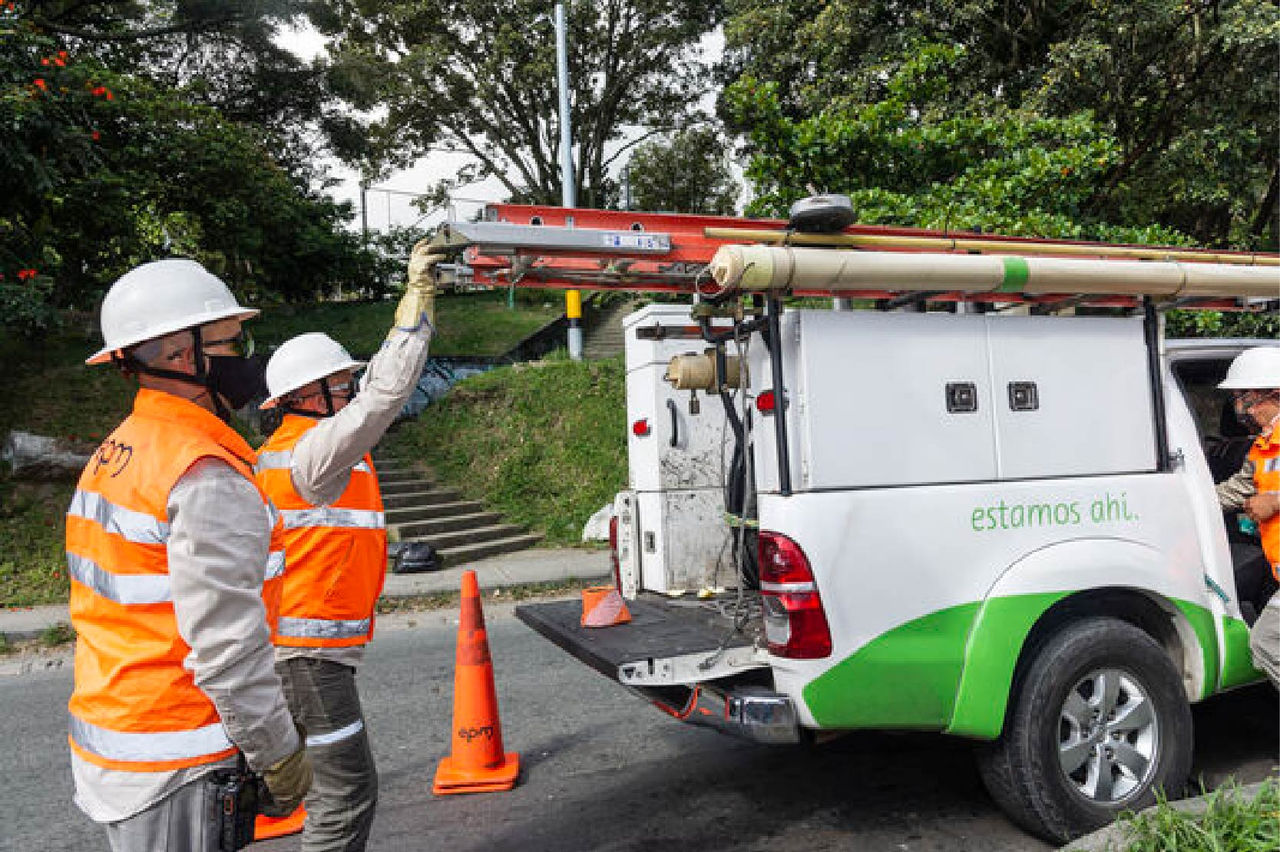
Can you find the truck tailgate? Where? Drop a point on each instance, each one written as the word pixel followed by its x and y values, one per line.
pixel 667 642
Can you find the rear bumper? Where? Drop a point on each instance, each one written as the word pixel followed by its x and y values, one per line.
pixel 748 712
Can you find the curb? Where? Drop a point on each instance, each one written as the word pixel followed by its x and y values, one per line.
pixel 526 567
pixel 1114 837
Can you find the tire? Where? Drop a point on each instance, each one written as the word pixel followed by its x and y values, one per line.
pixel 1096 725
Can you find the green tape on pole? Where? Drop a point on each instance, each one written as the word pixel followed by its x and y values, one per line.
pixel 1015 275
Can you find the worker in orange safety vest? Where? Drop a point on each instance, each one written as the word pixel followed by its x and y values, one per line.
pixel 316 467
pixel 169 550
pixel 1254 381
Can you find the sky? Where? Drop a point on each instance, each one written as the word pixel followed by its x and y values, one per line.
pixel 389 202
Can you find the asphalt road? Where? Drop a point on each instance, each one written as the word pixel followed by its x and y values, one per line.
pixel 601 769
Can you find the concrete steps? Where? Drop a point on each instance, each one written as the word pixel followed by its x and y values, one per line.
pixel 433 511
pixel 453 556
pixel 604 338
pixel 460 530
pixel 405 486
pixel 447 523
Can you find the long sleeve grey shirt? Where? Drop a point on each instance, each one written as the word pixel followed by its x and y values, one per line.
pixel 219 536
pixel 320 467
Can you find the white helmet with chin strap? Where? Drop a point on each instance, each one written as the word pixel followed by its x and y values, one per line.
pixel 1254 369
pixel 302 360
pixel 159 298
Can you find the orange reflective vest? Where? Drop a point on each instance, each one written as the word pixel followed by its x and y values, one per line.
pixel 135 706
pixel 337 554
pixel 1265 455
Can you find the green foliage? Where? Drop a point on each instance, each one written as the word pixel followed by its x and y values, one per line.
pixel 902 160
pixel 543 443
pixel 1231 821
pixel 688 173
pixel 59 633
pixel 1260 324
pixel 33 568
pixel 110 164
pixel 1155 121
pixel 480 78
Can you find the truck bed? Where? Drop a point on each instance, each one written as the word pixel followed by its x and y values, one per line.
pixel 661 629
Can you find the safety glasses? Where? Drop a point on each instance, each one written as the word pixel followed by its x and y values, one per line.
pixel 241 346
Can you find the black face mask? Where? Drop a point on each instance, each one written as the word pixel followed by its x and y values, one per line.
pixel 238 380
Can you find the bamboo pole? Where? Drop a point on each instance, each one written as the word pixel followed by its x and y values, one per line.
pixel 966 244
pixel 775 269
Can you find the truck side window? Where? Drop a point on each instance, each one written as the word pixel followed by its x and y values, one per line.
pixel 1224 438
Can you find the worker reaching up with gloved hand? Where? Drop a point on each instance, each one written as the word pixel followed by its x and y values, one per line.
pixel 317 470
pixel 173 578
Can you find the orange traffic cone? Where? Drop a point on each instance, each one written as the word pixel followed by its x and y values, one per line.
pixel 265 827
pixel 602 606
pixel 477 764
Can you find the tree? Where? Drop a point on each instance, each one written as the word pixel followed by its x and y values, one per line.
pixel 109 169
pixel 1185 93
pixel 479 76
pixel 688 173
pixel 218 54
pixel 908 159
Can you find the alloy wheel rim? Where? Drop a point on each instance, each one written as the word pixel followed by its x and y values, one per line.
pixel 1108 736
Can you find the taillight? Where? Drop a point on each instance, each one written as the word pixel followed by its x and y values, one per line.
pixel 794 624
pixel 613 553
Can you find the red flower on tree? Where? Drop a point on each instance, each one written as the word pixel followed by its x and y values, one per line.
pixel 25 274
pixel 40 84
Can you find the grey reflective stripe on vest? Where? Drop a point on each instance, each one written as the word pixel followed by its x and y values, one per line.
pixel 330 517
pixel 322 628
pixel 137 527
pixel 156 745
pixel 274 460
pixel 275 565
pixel 337 736
pixel 1271 465
pixel 121 588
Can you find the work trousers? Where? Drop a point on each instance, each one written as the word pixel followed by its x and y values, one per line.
pixel 185 821
pixel 322 697
pixel 1264 640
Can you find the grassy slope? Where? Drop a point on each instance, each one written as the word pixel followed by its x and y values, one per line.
pixel 469 323
pixel 47 390
pixel 543 443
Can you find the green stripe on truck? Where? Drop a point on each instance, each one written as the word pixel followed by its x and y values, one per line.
pixel 905 678
pixel 1237 665
pixel 952 670
pixel 998 635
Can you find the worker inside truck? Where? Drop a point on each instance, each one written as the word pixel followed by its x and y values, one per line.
pixel 1227 437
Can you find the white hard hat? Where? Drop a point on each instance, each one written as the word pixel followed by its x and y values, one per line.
pixel 159 298
pixel 302 360
pixel 1254 369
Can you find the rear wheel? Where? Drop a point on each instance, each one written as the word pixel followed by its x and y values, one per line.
pixel 1098 723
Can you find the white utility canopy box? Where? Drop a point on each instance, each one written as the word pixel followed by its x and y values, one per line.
pixel 672 520
pixel 899 399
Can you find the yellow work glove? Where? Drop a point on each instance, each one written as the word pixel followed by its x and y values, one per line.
pixel 288 780
pixel 419 299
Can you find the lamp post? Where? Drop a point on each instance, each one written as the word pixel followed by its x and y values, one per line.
pixel 573 299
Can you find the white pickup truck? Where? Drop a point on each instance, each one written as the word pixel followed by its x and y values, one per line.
pixel 997 527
